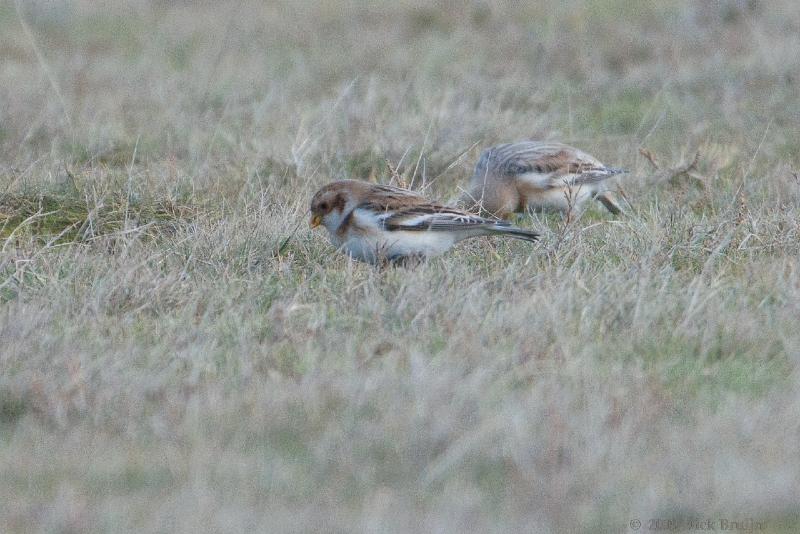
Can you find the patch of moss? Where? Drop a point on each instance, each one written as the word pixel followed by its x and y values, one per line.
pixel 62 214
pixel 116 154
pixel 180 55
pixel 271 170
pixel 789 151
pixel 12 407
pixel 130 479
pixel 692 367
pixel 7 14
pixel 46 216
pixel 491 476
pixel 622 113
pixel 108 32
pixel 364 165
pixel 428 19
pixel 290 442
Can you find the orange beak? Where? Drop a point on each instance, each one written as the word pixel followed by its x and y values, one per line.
pixel 316 220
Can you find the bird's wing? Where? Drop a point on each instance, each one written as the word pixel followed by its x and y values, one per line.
pixel 550 164
pixel 434 217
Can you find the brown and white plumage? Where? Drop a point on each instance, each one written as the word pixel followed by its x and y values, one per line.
pixel 373 223
pixel 516 177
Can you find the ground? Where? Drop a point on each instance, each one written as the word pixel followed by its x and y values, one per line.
pixel 167 366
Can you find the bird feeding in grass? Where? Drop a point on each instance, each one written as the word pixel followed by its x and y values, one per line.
pixel 539 176
pixel 379 223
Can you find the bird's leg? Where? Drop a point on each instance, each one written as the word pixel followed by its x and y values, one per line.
pixel 410 261
pixel 609 203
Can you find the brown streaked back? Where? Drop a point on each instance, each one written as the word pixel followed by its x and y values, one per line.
pixel 510 159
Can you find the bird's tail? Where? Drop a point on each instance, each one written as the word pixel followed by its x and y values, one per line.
pixel 513 231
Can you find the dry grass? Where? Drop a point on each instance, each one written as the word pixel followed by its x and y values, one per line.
pixel 162 369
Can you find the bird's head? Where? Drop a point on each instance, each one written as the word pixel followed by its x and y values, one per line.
pixel 328 205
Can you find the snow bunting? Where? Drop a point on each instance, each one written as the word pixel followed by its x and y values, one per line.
pixel 515 177
pixel 376 223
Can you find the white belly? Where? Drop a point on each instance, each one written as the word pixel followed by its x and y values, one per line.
pixel 561 199
pixel 393 245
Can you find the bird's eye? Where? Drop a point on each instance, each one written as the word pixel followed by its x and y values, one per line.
pixel 324 206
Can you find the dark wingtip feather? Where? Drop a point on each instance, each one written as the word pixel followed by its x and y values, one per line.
pixel 518 233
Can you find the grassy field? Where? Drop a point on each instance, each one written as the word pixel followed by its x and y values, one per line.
pixel 164 369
